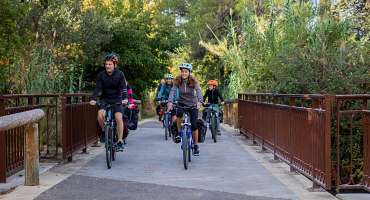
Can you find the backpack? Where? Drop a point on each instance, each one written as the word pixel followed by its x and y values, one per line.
pixel 133 117
pixel 125 128
pixel 202 130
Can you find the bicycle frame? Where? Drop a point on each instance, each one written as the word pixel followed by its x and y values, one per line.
pixel 212 109
pixel 189 135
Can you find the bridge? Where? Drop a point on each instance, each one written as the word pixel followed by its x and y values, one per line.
pixel 273 146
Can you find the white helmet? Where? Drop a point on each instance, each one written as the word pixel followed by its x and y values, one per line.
pixel 169 76
pixel 187 66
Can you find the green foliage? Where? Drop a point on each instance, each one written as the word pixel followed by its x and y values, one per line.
pixel 290 47
pixel 58 46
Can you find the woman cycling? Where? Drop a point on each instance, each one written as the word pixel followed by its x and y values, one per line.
pixel 189 96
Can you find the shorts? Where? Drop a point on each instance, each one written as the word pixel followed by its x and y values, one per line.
pixel 115 107
pixel 193 116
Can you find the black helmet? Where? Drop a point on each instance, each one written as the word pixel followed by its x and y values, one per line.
pixel 112 57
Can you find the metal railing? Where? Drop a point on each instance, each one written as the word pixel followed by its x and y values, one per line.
pixel 79 123
pixel 292 133
pixel 303 131
pixel 351 155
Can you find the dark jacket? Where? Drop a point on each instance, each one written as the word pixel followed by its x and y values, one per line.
pixel 213 96
pixel 111 88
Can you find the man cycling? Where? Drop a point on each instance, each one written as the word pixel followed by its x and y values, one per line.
pixel 189 96
pixel 164 93
pixel 213 94
pixel 111 86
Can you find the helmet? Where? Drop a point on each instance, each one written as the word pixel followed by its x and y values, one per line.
pixel 112 57
pixel 169 76
pixel 212 82
pixel 187 66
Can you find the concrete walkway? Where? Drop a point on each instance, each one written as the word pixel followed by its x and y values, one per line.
pixel 151 168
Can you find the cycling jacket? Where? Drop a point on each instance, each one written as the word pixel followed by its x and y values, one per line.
pixel 111 88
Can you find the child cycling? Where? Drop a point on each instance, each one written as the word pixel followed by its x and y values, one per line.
pixel 213 95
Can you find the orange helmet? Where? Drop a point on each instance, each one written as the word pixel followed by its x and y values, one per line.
pixel 212 82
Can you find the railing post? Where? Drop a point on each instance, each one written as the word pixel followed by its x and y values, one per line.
pixel 2 145
pixel 31 155
pixel 274 101
pixel 64 127
pixel 236 114
pixel 291 104
pixel 314 123
pixel 366 146
pixel 84 109
pixel 328 103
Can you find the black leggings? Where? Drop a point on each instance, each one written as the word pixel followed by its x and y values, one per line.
pixel 193 116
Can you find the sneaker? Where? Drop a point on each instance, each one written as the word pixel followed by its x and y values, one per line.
pixel 196 150
pixel 120 146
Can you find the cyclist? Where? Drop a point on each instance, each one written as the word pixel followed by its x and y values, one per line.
pixel 213 95
pixel 189 96
pixel 164 93
pixel 158 108
pixel 111 86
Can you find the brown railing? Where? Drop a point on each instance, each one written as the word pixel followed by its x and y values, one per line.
pixel 366 178
pixel 292 133
pixel 28 122
pixel 79 123
pixel 12 141
pixel 351 155
pixel 298 129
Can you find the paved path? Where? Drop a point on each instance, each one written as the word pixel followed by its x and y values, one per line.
pixel 151 168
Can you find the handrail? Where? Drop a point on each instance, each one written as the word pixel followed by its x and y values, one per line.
pixel 28 119
pixel 5 96
pixel 20 119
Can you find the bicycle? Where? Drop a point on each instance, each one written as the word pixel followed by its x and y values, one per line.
pixel 212 117
pixel 110 135
pixel 166 120
pixel 187 144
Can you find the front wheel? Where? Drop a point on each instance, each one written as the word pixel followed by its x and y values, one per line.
pixel 165 123
pixel 213 128
pixel 108 147
pixel 169 124
pixel 185 154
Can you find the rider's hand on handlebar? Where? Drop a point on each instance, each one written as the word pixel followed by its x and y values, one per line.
pixel 92 102
pixel 169 106
pixel 222 103
pixel 124 102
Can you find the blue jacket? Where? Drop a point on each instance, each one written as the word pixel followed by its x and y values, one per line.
pixel 164 93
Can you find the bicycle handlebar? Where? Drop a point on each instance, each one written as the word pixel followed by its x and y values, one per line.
pixel 209 104
pixel 187 107
pixel 98 103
